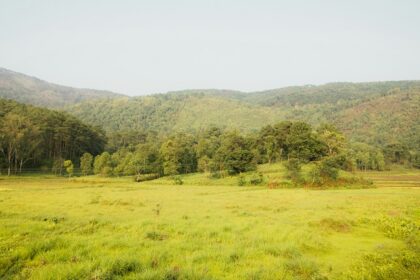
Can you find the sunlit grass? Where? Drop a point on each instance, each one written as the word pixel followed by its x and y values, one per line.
pixel 111 228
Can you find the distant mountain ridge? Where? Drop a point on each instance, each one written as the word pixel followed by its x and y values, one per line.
pixel 31 90
pixel 372 112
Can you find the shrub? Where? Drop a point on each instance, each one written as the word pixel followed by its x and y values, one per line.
pixel 218 174
pixel 106 171
pixel 256 179
pixel 324 171
pixel 68 165
pixel 241 180
pixel 178 180
pixel 145 177
pixel 294 171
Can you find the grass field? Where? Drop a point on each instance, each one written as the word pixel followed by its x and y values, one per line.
pixel 113 228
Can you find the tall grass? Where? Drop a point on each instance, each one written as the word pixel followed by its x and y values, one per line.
pixel 114 228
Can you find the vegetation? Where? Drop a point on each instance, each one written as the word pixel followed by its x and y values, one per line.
pixel 209 184
pixel 368 113
pixel 365 112
pixel 30 90
pixel 32 137
pixel 113 228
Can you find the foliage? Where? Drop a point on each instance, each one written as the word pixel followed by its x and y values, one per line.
pixel 86 164
pixel 102 164
pixel 178 180
pixel 234 155
pixel 364 112
pixel 32 137
pixel 294 170
pixel 68 165
pixel 30 90
pixel 178 154
pixel 366 157
pixel 325 171
pixel 145 177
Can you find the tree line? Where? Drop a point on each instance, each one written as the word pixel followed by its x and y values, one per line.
pixel 223 152
pixel 40 138
pixel 32 137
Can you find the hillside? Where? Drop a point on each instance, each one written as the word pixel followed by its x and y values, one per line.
pixel 373 112
pixel 367 112
pixel 33 137
pixel 174 112
pixel 331 93
pixel 31 90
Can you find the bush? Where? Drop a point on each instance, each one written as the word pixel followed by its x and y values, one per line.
pixel 241 180
pixel 178 180
pixel 328 170
pixel 145 177
pixel 294 171
pixel 218 174
pixel 256 179
pixel 106 171
pixel 324 171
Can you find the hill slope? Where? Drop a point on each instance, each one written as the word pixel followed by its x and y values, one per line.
pixel 167 113
pixel 30 90
pixel 370 112
pixel 374 112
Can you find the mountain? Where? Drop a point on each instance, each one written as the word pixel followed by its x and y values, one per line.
pixel 31 90
pixel 372 112
pixel 180 111
pixel 377 112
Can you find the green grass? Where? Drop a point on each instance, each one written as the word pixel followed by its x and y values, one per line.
pixel 114 228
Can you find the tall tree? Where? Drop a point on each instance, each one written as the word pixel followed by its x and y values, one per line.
pixel 86 164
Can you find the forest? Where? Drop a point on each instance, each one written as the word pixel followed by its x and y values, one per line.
pixel 40 139
pixel 37 138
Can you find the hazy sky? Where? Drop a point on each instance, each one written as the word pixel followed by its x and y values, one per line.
pixel 140 47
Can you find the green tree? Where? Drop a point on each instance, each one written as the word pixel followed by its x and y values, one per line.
pixel 178 155
pixel 170 158
pixel 86 164
pixel 20 140
pixel 204 164
pixel 146 159
pixel 302 144
pixel 102 164
pixel 294 171
pixel 68 165
pixel 396 153
pixel 333 139
pixel 234 155
pixel 326 170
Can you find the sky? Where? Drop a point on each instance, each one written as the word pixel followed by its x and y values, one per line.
pixel 142 47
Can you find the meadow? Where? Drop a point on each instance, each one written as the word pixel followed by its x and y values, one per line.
pixel 114 228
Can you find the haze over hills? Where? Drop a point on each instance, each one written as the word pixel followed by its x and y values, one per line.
pixel 31 90
pixel 374 112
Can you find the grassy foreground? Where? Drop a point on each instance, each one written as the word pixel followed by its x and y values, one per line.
pixel 97 228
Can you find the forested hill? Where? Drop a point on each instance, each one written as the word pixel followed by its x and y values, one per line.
pixel 31 90
pixel 172 112
pixel 377 113
pixel 32 136
pixel 332 93
pixel 373 112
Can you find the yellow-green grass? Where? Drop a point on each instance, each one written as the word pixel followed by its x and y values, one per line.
pixel 114 228
pixel 394 178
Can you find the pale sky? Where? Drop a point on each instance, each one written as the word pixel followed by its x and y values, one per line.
pixel 141 47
